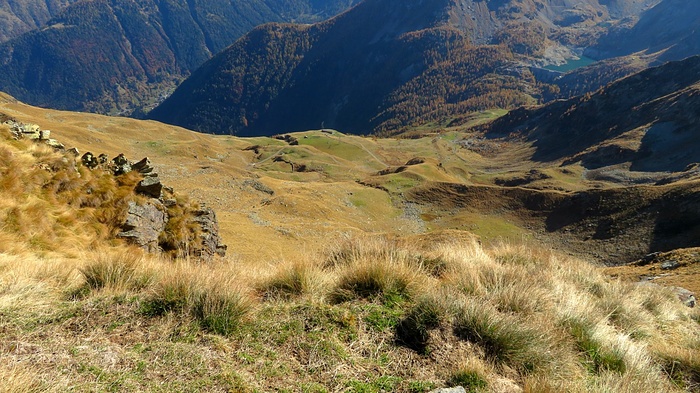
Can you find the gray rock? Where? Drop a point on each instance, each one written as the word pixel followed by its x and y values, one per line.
pixel 685 296
pixel 670 265
pixel 150 186
pixel 120 165
pixel 457 389
pixel 74 151
pixel 143 166
pixel 259 186
pixel 209 242
pixel 55 144
pixel 144 223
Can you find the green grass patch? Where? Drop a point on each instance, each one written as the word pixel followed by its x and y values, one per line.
pixel 345 147
pixel 382 384
pixel 380 317
pixel 597 358
pixel 472 381
pixel 397 183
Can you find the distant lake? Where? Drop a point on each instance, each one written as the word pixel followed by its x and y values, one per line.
pixel 572 64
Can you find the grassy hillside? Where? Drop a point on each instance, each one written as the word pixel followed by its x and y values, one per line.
pixel 354 264
pixel 369 315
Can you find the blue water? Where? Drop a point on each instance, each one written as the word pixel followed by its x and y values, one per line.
pixel 572 64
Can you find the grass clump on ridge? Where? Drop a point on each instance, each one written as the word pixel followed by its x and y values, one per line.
pixel 116 271
pixel 217 304
pixel 292 280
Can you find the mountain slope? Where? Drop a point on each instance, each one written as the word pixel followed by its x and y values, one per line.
pixel 670 30
pixel 648 119
pixel 115 56
pixel 382 66
pixel 20 16
pixel 330 284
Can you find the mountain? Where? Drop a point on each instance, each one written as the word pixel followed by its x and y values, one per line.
pixel 671 30
pixel 18 17
pixel 384 65
pixel 648 120
pixel 667 31
pixel 115 56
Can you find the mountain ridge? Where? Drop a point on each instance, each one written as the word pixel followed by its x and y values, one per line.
pixel 382 66
pixel 657 101
pixel 113 56
pixel 20 16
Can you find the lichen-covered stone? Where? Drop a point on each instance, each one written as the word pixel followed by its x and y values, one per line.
pixel 209 242
pixel 144 224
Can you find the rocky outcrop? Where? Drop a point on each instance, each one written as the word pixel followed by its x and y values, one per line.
pixel 150 186
pixel 144 227
pixel 30 131
pixel 163 223
pixel 209 240
pixel 144 224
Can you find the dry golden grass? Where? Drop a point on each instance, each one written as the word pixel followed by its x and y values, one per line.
pixel 569 339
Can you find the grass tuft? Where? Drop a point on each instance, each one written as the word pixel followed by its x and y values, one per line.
pixel 292 280
pixel 116 271
pixel 381 280
pixel 218 305
pixel 503 338
pixel 413 330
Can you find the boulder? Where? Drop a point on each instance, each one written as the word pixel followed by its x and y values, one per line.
pixel 89 160
pixel 120 165
pixel 209 242
pixel 144 223
pixel 55 144
pixel 670 265
pixel 685 296
pixel 150 186
pixel 143 166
